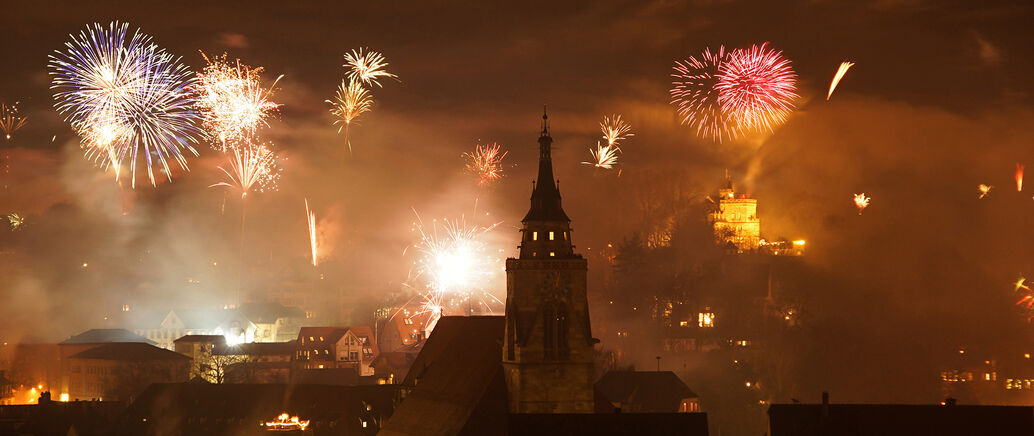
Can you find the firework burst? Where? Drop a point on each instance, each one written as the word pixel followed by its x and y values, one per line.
pixel 486 163
pixel 10 121
pixel 604 156
pixel 15 220
pixel 106 77
pixel 251 167
pixel 1027 297
pixel 351 101
pixel 757 87
pixel 232 101
pixel 983 190
pixel 844 66
pixel 367 67
pixel 696 97
pixel 615 129
pixel 861 202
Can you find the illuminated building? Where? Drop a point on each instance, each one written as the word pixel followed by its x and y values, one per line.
pixel 735 219
pixel 736 222
pixel 548 346
pixel 119 371
pixel 336 347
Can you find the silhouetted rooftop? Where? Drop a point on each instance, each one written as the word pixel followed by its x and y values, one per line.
pixel 128 351
pixel 103 336
pixel 898 419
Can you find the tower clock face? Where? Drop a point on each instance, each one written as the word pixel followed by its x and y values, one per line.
pixel 556 286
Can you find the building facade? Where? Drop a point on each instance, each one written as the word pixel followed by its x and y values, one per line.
pixel 736 219
pixel 548 344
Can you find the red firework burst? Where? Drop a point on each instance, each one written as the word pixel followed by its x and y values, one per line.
pixel 756 87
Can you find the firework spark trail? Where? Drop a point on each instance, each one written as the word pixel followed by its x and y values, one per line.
pixel 367 67
pixel 844 66
pixel 486 163
pixel 311 218
pixel 232 101
pixel 1027 298
pixel 104 78
pixel 694 94
pixel 253 166
pixel 604 156
pixel 615 129
pixel 757 87
pixel 351 101
pixel 10 121
pixel 861 202
pixel 984 190
pixel 1019 177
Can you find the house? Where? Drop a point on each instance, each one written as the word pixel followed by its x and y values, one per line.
pixel 647 392
pixel 947 419
pixel 118 371
pixel 406 329
pixel 85 341
pixel 273 322
pixel 336 347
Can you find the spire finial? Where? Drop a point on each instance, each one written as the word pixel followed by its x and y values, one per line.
pixel 545 122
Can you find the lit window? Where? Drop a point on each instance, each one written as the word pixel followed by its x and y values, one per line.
pixel 534 236
pixel 705 319
pixel 551 254
pixel 321 338
pixel 550 236
pixel 683 323
pixel 565 236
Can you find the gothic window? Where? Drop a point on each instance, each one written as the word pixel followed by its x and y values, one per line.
pixel 534 236
pixel 550 236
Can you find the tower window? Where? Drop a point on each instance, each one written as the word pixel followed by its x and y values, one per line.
pixel 565 236
pixel 534 236
pixel 550 236
pixel 551 254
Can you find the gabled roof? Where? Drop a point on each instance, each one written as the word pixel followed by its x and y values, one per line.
pixel 644 391
pixel 898 419
pixel 104 336
pixel 330 336
pixel 365 331
pixel 459 367
pixel 128 351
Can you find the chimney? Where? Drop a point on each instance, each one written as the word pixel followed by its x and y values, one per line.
pixel 825 406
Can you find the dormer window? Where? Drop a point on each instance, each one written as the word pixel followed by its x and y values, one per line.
pixel 550 236
pixel 534 236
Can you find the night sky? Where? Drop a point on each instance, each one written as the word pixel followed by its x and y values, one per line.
pixel 938 102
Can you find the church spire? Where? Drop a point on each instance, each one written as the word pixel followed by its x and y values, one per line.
pixel 545 197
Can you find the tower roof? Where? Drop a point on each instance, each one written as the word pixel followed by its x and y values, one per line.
pixel 545 197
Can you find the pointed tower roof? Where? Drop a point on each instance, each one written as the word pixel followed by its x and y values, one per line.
pixel 545 197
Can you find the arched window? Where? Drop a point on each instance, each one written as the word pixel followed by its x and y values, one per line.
pixel 555 331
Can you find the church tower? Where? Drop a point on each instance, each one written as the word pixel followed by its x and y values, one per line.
pixel 548 347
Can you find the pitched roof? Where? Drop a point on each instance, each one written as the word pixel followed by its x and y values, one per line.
pixel 458 368
pixel 214 339
pixel 644 391
pixel 128 351
pixel 364 331
pixel 329 335
pixel 898 419
pixel 104 336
